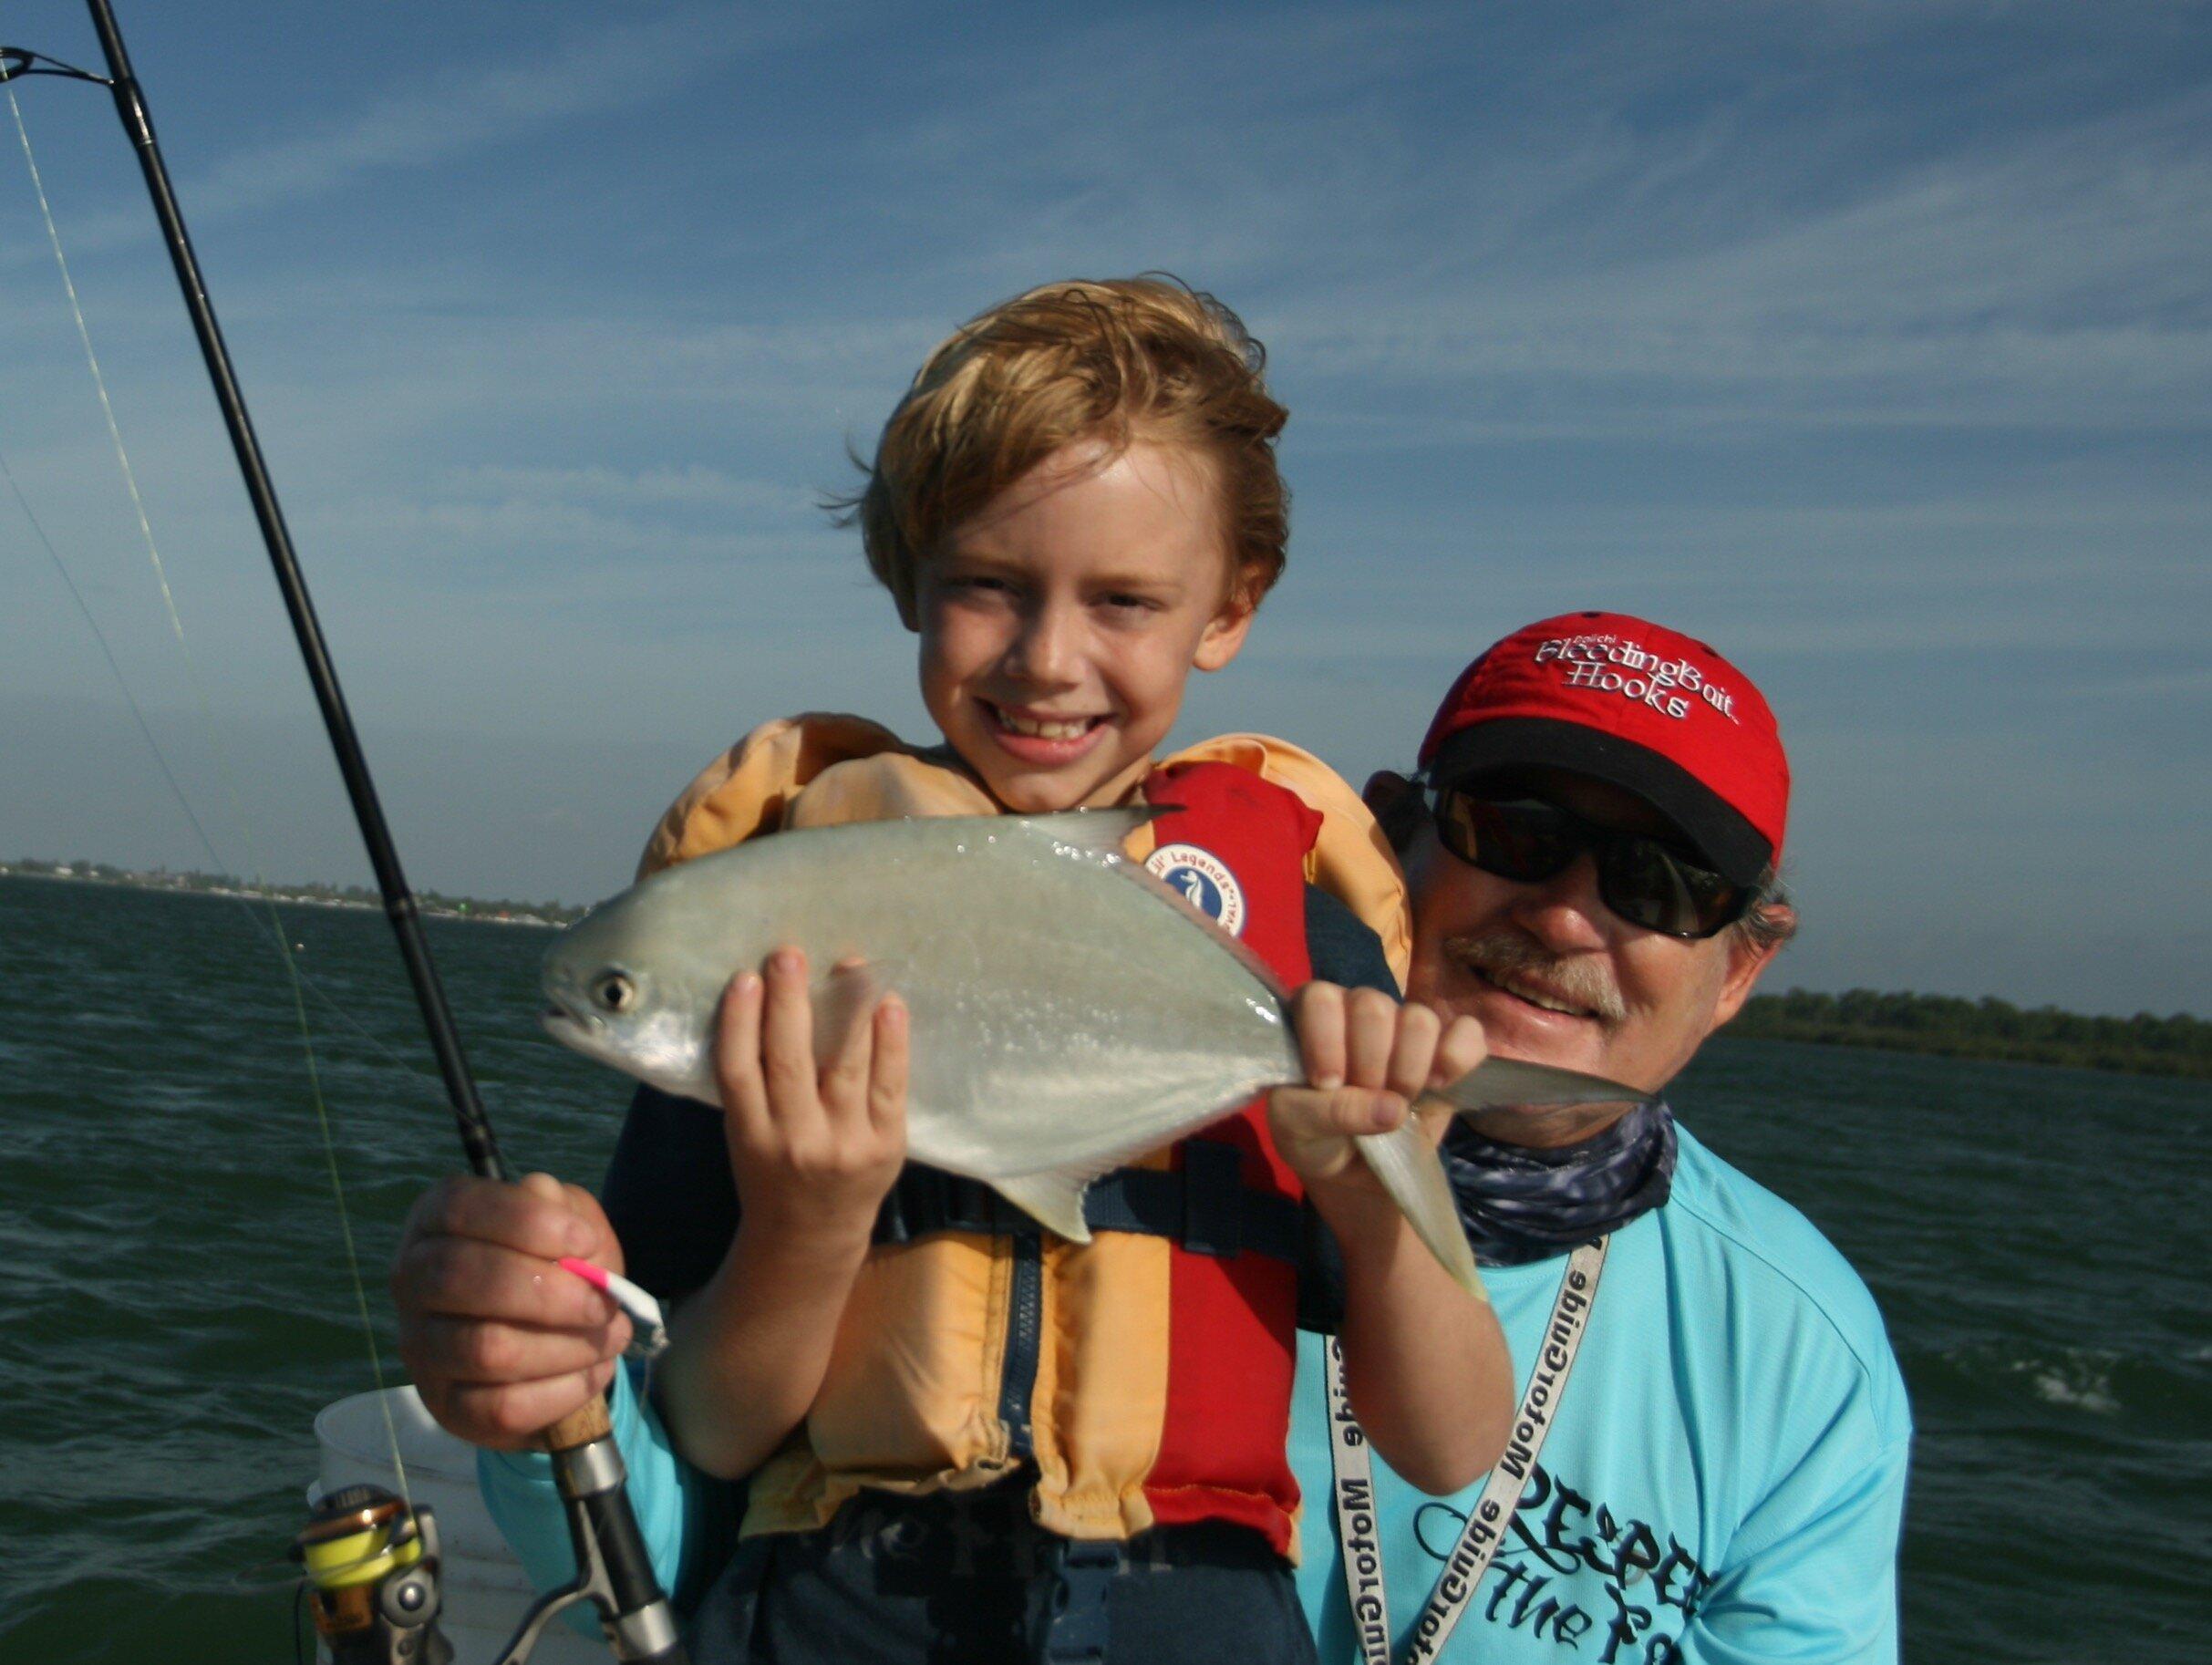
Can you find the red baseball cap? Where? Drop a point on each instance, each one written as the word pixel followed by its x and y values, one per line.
pixel 1654 712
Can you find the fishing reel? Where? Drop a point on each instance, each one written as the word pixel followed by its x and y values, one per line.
pixel 369 1564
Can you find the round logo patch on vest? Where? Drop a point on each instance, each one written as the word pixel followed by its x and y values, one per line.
pixel 1205 881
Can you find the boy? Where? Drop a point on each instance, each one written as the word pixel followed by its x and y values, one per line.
pixel 964 1436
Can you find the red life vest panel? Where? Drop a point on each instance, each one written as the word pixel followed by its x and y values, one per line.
pixel 1231 1322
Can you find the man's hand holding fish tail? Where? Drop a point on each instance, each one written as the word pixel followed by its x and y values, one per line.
pixel 812 1152
pixel 1418 1351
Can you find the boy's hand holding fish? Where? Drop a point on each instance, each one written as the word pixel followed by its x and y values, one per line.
pixel 1369 1061
pixel 814 1147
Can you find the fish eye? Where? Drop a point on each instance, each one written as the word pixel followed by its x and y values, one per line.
pixel 615 992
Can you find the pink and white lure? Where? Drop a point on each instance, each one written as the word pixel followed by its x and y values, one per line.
pixel 649 1329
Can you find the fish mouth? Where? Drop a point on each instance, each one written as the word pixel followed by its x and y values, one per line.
pixel 566 1024
pixel 582 1032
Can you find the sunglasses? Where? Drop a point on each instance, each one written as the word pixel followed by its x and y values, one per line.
pixel 1645 879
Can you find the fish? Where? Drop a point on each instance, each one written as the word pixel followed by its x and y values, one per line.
pixel 1068 1011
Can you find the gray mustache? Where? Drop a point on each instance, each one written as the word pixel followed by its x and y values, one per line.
pixel 1581 980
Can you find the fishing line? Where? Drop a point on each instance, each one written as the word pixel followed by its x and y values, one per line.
pixel 291 971
pixel 107 653
pixel 269 928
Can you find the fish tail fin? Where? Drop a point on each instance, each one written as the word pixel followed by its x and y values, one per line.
pixel 1407 1165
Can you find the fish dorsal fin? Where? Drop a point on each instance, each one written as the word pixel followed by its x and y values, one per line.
pixel 1093 831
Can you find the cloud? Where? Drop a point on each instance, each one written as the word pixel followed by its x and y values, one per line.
pixel 439 113
pixel 2186 683
pixel 2055 280
pixel 690 485
pixel 1606 233
pixel 512 540
pixel 491 382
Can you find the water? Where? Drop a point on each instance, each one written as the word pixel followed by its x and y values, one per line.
pixel 177 1305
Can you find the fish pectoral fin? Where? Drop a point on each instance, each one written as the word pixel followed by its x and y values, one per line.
pixel 845 996
pixel 1497 1081
pixel 1053 1199
pixel 1413 1175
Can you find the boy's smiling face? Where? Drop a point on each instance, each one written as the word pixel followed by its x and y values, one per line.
pixel 1059 624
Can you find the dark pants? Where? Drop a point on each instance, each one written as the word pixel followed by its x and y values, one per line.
pixel 968 1579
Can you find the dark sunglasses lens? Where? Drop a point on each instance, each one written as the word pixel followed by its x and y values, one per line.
pixel 1524 841
pixel 1648 885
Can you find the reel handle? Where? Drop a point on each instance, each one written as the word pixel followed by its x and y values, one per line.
pixel 613 1568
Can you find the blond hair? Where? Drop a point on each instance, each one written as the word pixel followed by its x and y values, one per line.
pixel 1120 360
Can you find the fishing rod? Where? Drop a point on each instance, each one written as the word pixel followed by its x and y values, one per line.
pixel 614 1571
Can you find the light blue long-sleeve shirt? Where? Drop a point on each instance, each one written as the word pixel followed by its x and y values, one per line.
pixel 1724 1472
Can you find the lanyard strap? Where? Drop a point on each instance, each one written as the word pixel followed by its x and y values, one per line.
pixel 1353 1471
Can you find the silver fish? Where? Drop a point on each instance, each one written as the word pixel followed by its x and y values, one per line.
pixel 1068 1012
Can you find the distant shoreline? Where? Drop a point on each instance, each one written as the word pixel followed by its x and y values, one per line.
pixel 432 905
pixel 1941 1025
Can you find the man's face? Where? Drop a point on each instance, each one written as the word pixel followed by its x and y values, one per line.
pixel 1556 977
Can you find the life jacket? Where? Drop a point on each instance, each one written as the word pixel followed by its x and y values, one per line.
pixel 1146 1375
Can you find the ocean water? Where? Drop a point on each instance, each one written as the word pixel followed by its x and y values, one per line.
pixel 176 1301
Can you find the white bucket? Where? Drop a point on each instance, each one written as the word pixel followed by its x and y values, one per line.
pixel 486 1592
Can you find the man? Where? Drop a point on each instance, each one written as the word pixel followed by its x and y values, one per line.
pixel 1709 1461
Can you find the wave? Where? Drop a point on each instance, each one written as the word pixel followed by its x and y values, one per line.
pixel 1975 1379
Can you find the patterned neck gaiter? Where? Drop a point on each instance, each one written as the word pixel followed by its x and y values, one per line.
pixel 1521 1205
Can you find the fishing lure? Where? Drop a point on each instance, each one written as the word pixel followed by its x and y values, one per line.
pixel 649 1336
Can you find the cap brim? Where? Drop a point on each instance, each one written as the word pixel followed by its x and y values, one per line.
pixel 1737 851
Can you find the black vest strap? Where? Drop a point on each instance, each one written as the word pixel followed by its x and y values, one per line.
pixel 1206 1206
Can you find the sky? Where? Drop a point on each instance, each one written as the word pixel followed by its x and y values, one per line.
pixel 1870 342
